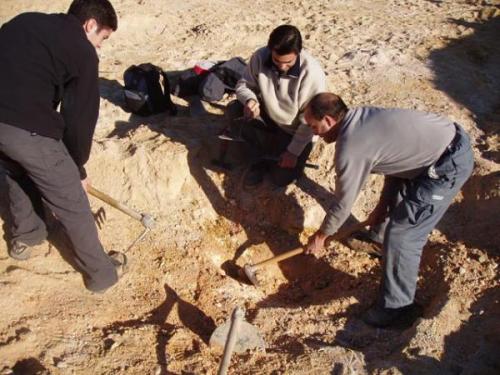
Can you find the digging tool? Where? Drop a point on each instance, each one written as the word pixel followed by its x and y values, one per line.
pixel 146 220
pixel 249 270
pixel 236 319
pixel 236 335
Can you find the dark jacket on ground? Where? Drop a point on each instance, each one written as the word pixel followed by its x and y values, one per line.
pixel 47 60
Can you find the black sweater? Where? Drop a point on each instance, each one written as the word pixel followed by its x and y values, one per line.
pixel 47 60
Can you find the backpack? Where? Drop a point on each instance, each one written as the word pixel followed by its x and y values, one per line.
pixel 212 84
pixel 143 92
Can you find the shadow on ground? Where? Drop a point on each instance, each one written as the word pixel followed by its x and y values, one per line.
pixel 467 70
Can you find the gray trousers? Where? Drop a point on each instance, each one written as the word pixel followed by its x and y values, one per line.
pixel 420 204
pixel 265 138
pixel 46 162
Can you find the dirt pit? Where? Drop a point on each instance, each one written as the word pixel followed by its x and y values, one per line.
pixel 431 55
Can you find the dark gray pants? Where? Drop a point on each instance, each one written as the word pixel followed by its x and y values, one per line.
pixel 265 138
pixel 420 205
pixel 49 166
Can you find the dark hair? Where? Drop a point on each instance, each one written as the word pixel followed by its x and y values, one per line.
pixel 329 104
pixel 100 10
pixel 285 39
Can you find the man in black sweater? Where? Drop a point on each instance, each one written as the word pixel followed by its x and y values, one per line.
pixel 50 61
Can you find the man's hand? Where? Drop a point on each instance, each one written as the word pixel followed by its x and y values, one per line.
pixel 287 160
pixel 316 244
pixel 251 109
pixel 86 183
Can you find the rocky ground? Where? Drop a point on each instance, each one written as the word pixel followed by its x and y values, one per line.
pixel 439 56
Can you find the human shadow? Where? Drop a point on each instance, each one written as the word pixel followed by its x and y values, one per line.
pixel 190 316
pixel 386 349
pixel 467 70
pixel 473 220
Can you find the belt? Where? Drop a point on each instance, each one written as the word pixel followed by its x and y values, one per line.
pixel 450 149
pixel 453 144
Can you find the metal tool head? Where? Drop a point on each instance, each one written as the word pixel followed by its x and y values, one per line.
pixel 148 221
pixel 228 137
pixel 249 271
pixel 248 337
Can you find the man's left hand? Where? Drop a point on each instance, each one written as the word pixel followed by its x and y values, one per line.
pixel 287 160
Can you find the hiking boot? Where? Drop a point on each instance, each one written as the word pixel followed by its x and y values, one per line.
pixel 381 317
pixel 19 250
pixel 255 175
pixel 119 260
pixel 361 241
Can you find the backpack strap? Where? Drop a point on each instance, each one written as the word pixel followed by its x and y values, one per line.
pixel 166 92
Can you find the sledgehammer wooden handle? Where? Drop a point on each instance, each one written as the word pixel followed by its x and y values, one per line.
pixel 113 202
pixel 337 236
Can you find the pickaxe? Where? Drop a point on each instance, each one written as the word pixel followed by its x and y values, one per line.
pixel 146 220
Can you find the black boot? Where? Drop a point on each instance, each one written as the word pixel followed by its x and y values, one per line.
pixel 381 317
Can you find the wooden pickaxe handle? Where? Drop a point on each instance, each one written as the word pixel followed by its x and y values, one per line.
pixel 232 337
pixel 113 202
pixel 337 236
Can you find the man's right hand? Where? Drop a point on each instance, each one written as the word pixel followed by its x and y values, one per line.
pixel 316 244
pixel 251 109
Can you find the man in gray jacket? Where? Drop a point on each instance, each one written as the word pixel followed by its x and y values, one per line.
pixel 425 159
pixel 277 84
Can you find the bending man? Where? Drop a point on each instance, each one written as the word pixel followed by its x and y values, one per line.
pixel 425 159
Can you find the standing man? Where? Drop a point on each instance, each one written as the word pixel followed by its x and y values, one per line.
pixel 50 60
pixel 277 84
pixel 425 159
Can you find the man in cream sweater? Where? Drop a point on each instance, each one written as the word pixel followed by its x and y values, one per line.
pixel 278 83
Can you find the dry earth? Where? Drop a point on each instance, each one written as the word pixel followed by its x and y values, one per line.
pixel 440 56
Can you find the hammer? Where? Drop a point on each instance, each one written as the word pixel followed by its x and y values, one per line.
pixel 250 269
pixel 146 220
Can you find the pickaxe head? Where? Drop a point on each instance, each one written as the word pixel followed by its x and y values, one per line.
pixel 148 221
pixel 249 271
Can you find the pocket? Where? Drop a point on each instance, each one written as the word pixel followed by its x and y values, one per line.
pixel 431 191
pixel 417 213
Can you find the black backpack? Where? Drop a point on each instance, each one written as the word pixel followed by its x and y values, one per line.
pixel 143 92
pixel 211 85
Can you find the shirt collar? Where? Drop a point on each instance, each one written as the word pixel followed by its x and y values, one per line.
pixel 294 71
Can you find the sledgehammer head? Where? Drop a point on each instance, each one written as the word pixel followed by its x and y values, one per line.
pixel 148 221
pixel 249 271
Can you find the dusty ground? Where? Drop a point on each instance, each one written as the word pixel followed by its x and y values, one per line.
pixel 441 56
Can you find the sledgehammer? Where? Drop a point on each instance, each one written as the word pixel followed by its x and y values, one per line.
pixel 146 220
pixel 250 270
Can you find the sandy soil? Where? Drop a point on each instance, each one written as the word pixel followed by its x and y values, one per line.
pixel 440 56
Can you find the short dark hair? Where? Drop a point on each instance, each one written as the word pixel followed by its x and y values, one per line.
pixel 329 104
pixel 285 39
pixel 100 10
